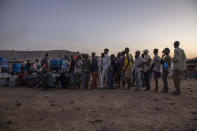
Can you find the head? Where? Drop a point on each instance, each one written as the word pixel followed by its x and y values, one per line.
pixel 37 60
pixel 176 44
pixel 106 51
pixel 102 55
pixel 166 51
pixel 146 52
pixel 123 53
pixel 155 51
pixel 126 50
pixel 46 54
pixel 93 54
pixel 119 55
pixel 78 57
pixel 66 57
pixel 28 61
pixel 75 57
pixel 86 56
pixel 137 53
pixel 112 56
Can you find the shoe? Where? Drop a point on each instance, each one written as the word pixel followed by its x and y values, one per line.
pixel 147 89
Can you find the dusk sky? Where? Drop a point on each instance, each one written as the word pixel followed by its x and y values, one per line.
pixel 92 25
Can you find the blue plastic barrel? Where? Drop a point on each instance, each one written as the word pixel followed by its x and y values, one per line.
pixel 57 64
pixel 16 67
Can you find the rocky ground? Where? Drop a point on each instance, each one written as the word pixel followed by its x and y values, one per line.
pixel 33 109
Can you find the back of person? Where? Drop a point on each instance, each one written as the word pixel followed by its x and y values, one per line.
pixel 72 66
pixel 148 64
pixel 128 61
pixel 95 67
pixel 49 80
pixel 37 67
pixel 112 64
pixel 44 62
pixel 78 68
pixel 183 60
pixel 138 64
pixel 178 54
pixel 118 64
pixel 28 67
pixel 86 66
pixel 157 64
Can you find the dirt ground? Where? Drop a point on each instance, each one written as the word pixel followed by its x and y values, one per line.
pixel 33 109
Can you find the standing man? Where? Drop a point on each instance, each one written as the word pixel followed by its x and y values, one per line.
pixel 71 75
pixel 105 65
pixel 94 70
pixel 111 71
pixel 179 62
pixel 78 72
pixel 166 63
pixel 128 67
pixel 45 62
pixel 138 68
pixel 147 68
pixel 156 67
pixel 86 69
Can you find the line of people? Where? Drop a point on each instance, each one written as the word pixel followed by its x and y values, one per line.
pixel 121 71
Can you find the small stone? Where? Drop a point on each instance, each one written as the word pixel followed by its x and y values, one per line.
pixel 194 112
pixel 156 99
pixel 9 122
pixel 18 104
pixel 110 108
pixel 98 120
pixel 172 103
pixel 77 108
pixel 93 110
pixel 72 102
pixel 195 118
pixel 52 104
pixel 158 109
pixel 191 129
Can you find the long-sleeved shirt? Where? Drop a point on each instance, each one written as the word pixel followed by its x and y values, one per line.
pixel 147 64
pixel 138 64
pixel 106 62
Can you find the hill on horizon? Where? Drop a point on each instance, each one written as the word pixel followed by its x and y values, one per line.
pixel 14 55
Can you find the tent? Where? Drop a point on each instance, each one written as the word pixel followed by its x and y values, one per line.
pixel 4 64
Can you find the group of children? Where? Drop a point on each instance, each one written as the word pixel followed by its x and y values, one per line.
pixel 115 71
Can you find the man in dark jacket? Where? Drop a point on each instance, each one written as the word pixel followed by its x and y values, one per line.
pixel 94 70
